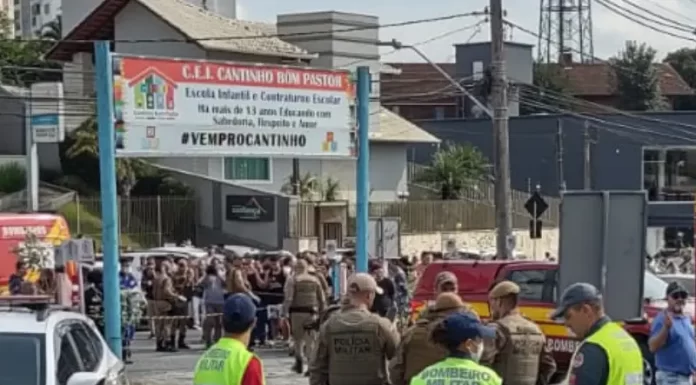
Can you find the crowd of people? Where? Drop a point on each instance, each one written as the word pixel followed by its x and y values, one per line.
pixel 176 294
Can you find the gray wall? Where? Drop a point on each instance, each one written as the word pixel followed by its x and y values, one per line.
pixel 213 227
pixel 616 156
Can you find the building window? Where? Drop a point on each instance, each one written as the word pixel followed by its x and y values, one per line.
pixel 36 9
pixel 439 113
pixel 33 21
pixel 47 8
pixel 248 169
pixel 669 174
pixel 477 70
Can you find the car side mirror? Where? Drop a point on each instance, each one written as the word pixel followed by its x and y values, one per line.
pixel 85 378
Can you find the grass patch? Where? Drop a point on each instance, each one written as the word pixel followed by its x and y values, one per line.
pixel 90 225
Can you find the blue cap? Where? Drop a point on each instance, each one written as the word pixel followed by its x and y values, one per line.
pixel 238 313
pixel 462 326
pixel 575 294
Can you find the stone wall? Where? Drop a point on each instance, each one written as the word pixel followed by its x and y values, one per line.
pixel 483 240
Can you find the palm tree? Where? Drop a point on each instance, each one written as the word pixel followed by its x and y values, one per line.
pixel 454 168
pixel 330 190
pixel 53 30
pixel 86 142
pixel 307 186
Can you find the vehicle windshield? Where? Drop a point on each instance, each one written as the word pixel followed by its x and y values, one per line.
pixel 654 287
pixel 22 359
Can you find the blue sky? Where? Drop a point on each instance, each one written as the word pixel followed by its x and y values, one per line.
pixel 610 30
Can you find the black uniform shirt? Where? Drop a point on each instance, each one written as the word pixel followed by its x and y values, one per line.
pixel 591 364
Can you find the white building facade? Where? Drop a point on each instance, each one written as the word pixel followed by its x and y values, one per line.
pixel 31 16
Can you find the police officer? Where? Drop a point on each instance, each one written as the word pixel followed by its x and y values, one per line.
pixel 445 282
pixel 304 300
pixel 604 341
pixel 416 352
pixel 462 335
pixel 165 300
pixel 518 353
pixel 228 361
pixel 354 344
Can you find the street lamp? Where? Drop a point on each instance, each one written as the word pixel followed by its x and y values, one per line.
pixel 399 45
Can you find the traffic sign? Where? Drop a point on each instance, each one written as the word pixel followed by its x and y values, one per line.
pixel 536 206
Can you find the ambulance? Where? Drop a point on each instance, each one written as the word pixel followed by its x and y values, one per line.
pixel 51 229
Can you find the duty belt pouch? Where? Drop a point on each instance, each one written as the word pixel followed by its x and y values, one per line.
pixel 312 323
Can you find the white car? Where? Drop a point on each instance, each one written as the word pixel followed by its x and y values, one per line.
pixel 43 345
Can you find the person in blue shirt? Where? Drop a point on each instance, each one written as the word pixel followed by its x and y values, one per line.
pixel 672 340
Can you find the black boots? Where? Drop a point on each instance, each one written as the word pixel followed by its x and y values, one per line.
pixel 182 344
pixel 298 367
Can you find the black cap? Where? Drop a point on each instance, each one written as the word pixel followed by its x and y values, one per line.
pixel 575 294
pixel 675 288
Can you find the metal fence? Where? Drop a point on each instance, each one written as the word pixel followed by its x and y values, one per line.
pixel 426 216
pixel 144 221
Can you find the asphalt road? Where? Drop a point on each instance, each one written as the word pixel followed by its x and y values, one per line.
pixel 153 368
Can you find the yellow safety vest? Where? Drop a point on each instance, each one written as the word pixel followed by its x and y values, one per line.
pixel 623 354
pixel 222 364
pixel 454 371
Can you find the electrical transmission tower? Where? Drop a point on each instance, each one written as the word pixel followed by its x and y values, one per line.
pixel 565 31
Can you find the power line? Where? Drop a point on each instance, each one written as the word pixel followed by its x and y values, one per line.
pixel 671 11
pixel 613 8
pixel 597 59
pixel 429 40
pixel 266 36
pixel 688 27
pixel 559 96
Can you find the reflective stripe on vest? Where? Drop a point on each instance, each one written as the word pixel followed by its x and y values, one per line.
pixel 456 371
pixel 623 354
pixel 223 364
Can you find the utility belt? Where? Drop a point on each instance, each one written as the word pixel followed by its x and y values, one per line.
pixel 303 309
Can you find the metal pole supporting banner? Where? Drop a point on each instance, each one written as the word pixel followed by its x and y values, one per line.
pixel 107 170
pixel 363 169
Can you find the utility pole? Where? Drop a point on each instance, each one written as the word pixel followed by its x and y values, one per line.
pixel 559 156
pixel 587 158
pixel 501 136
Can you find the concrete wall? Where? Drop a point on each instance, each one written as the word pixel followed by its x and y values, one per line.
pixel 414 244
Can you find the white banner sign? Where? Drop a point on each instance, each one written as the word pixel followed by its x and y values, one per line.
pixel 167 107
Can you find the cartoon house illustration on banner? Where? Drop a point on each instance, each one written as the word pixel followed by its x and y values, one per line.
pixel 152 90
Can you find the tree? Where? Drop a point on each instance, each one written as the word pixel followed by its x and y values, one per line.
pixel 684 62
pixel 22 61
pixel 307 187
pixel 86 142
pixel 453 168
pixel 637 81
pixel 550 88
pixel 53 30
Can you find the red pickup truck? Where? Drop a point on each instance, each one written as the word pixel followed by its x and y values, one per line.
pixel 538 284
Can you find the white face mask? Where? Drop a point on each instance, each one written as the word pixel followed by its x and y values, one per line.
pixel 476 356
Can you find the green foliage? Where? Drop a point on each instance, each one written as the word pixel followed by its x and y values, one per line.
pixel 13 178
pixel 307 187
pixel 89 224
pixel 24 53
pixel 637 79
pixel 684 62
pixel 454 168
pixel 550 88
pixel 330 190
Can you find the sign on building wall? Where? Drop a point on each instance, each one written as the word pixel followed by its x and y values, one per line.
pixel 47 108
pixel 250 208
pixel 169 107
